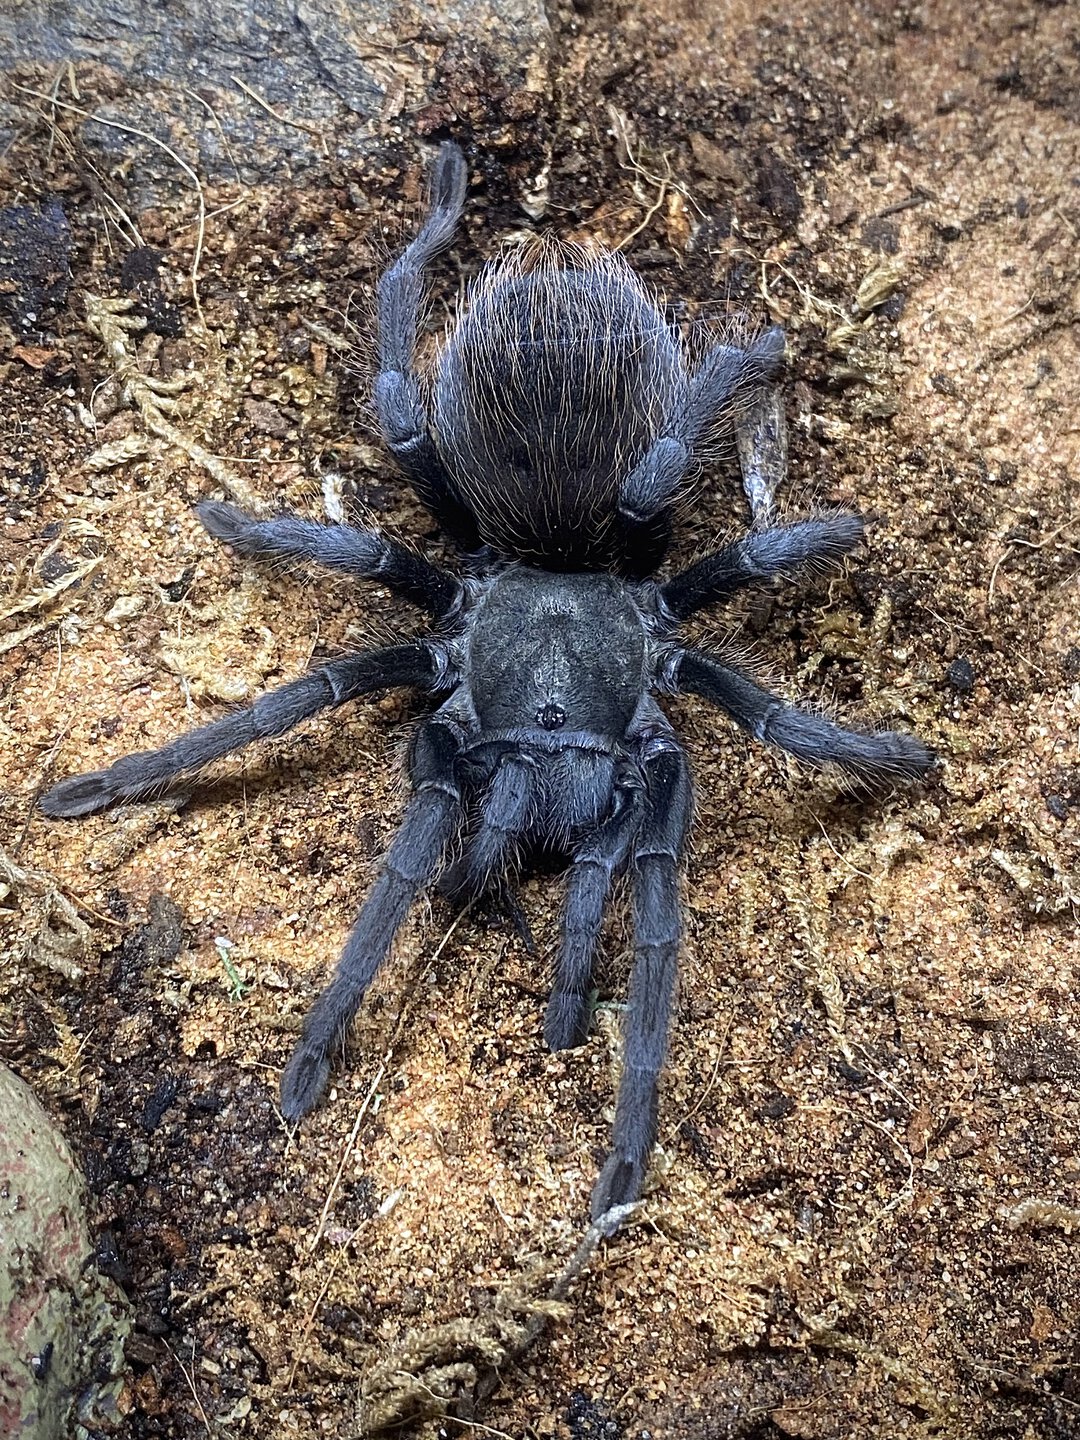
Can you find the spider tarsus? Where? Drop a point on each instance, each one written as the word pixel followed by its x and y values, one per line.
pixel 619 1186
pixel 450 180
pixel 769 350
pixel 898 756
pixel 225 522
pixel 80 795
pixel 303 1081
pixel 566 1023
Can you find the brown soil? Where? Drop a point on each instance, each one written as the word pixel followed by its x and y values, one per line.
pixel 865 1210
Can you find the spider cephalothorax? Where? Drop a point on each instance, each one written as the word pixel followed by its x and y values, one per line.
pixel 549 440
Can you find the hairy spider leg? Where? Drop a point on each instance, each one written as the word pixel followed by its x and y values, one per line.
pixel 883 757
pixel 403 416
pixel 431 820
pixel 761 439
pixel 147 772
pixel 363 553
pixel 593 864
pixel 778 551
pixel 727 374
pixel 504 814
pixel 654 871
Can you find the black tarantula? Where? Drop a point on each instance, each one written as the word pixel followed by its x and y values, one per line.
pixel 558 421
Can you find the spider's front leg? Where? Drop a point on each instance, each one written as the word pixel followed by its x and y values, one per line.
pixel 654 871
pixel 431 820
pixel 595 860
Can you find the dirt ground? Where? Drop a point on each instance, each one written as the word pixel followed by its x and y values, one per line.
pixel 863 1218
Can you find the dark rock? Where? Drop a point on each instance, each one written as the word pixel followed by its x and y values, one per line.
pixel 35 250
pixel 1038 1052
pixel 776 1106
pixel 961 675
pixel 591 1419
pixel 777 190
pixel 288 83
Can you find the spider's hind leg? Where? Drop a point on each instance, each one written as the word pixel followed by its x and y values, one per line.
pixel 147 772
pixel 399 401
pixel 412 860
pixel 879 757
pixel 593 865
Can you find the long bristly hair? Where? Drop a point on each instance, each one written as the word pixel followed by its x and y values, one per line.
pixel 559 373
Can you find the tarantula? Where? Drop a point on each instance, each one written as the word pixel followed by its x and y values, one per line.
pixel 549 439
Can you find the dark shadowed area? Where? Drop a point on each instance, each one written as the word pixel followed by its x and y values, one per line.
pixel 863 1218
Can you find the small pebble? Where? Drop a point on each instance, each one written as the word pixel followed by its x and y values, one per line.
pixel 961 675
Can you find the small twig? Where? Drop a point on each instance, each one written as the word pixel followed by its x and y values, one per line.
pixel 190 1378
pixel 276 114
pixel 368 1098
pixel 486 1429
pixel 1015 541
pixel 920 197
pixel 432 1371
pixel 842 858
pixel 700 1101
pixel 905 1191
pixel 309 1321
pixel 621 127
pixel 994 574
pixel 218 127
pixel 347 1151
pixel 1014 314
pixel 661 196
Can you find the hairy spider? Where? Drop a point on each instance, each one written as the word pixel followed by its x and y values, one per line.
pixel 549 440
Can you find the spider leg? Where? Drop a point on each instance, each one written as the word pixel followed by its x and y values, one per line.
pixel 885 756
pixel 726 373
pixel 588 884
pixel 499 905
pixel 363 553
pixel 760 555
pixel 762 443
pixel 504 814
pixel 399 401
pixel 479 872
pixel 430 820
pixel 655 872
pixel 416 664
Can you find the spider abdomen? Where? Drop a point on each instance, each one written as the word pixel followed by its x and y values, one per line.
pixel 558 377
